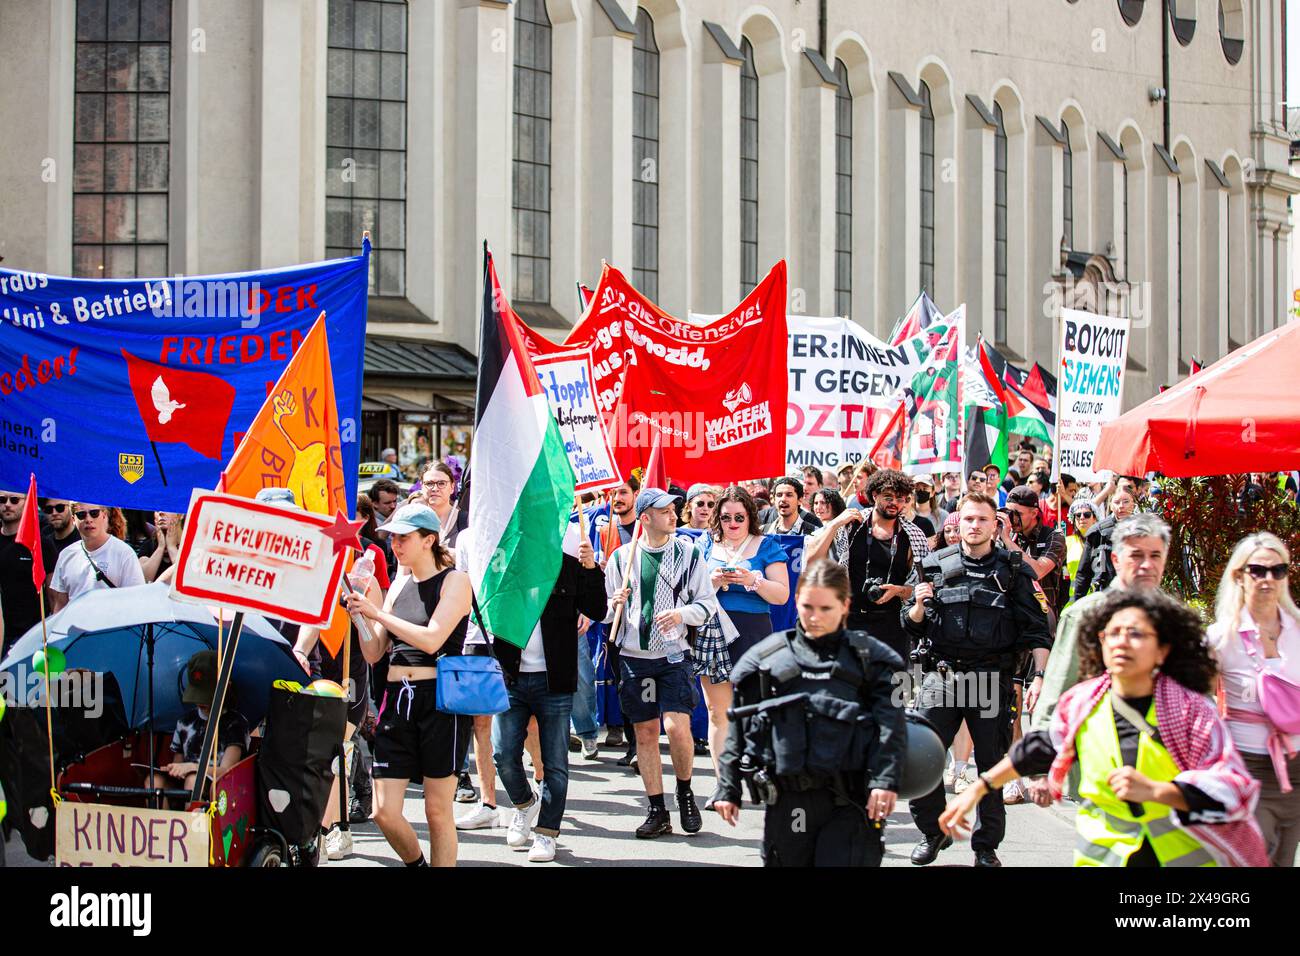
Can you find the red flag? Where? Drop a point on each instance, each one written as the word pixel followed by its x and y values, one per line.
pixel 29 536
pixel 887 452
pixel 654 476
pixel 192 408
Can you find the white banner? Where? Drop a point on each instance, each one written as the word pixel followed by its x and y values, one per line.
pixel 239 553
pixel 566 378
pixel 1090 386
pixel 94 834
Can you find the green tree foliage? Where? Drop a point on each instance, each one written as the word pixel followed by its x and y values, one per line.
pixel 1207 518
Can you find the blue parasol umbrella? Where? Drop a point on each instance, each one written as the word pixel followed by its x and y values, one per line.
pixel 108 631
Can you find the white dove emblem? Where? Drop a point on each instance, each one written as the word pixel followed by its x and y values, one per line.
pixel 162 401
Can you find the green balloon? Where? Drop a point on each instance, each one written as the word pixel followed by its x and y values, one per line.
pixel 58 663
pixel 3 705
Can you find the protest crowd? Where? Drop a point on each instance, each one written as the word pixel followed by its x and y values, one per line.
pixel 948 616
pixel 716 559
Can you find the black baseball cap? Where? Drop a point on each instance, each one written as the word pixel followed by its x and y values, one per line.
pixel 1023 495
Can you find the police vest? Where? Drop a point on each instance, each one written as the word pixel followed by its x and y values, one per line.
pixel 816 723
pixel 1108 832
pixel 975 612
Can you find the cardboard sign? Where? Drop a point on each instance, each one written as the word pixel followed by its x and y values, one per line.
pixel 272 560
pixel 566 378
pixel 1094 354
pixel 95 834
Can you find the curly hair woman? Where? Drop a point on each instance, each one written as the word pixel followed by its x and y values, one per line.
pixel 1160 780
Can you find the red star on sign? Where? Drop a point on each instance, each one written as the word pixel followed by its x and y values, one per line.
pixel 343 532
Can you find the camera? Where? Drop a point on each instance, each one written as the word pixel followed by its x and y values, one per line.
pixel 1013 517
pixel 873 588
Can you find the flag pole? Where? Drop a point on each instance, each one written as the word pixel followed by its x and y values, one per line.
pixel 49 714
pixel 631 564
pixel 161 474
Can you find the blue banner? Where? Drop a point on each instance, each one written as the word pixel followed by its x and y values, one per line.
pixel 132 392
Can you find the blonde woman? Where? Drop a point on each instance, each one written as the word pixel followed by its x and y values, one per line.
pixel 1256 631
pixel 168 528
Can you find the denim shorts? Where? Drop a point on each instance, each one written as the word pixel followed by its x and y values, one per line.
pixel 652 687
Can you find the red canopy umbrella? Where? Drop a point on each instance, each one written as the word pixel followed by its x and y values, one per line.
pixel 1241 414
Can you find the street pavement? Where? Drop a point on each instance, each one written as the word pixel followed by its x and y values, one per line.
pixel 606 803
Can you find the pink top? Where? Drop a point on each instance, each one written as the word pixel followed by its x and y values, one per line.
pixel 1241 675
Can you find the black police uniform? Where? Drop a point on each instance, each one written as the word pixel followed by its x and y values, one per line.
pixel 817 728
pixel 986 615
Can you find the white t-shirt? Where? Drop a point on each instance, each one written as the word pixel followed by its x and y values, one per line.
pixel 1241 676
pixel 74 575
pixel 533 658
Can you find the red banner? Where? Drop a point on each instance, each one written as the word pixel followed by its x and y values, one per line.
pixel 715 393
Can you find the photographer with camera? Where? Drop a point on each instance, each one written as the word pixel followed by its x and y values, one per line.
pixel 880 560
pixel 816 734
pixel 973 613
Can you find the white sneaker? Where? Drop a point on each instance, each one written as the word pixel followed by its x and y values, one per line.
pixel 543 850
pixel 338 844
pixel 521 824
pixel 480 816
pixel 1014 793
pixel 949 777
pixel 590 749
pixel 961 781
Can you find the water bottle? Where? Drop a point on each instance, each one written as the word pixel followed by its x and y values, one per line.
pixel 675 644
pixel 363 569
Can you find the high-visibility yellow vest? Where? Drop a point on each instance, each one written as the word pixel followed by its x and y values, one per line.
pixel 1108 832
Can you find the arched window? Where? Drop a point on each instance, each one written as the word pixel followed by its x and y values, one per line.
pixel 531 259
pixel 1131 11
pixel 843 191
pixel 1067 187
pixel 121 124
pixel 645 158
pixel 999 226
pixel 365 135
pixel 927 190
pixel 748 170
pixel 1232 30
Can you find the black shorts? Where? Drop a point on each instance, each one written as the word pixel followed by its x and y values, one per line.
pixel 653 687
pixel 414 738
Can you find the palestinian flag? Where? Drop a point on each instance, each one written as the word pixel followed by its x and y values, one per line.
pixel 887 452
pixel 920 317
pixel 933 403
pixel 986 415
pixel 1029 396
pixel 523 483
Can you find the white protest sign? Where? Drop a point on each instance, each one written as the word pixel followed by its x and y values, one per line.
pixel 566 378
pixel 1090 384
pixel 239 553
pixel 94 834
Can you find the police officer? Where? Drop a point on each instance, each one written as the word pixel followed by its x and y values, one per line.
pixel 817 733
pixel 970 630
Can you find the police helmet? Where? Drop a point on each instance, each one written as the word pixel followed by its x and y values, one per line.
pixel 923 759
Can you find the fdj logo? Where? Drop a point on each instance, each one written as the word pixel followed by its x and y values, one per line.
pixel 130 467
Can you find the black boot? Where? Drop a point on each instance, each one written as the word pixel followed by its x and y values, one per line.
pixel 927 851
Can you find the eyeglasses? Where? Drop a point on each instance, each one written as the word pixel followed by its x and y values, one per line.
pixel 1128 633
pixel 438 483
pixel 733 519
pixel 54 509
pixel 12 499
pixel 1261 571
pixel 89 513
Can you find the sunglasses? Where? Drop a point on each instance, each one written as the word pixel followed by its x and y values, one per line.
pixel 90 513
pixel 12 499
pixel 1261 571
pixel 733 519
pixel 55 509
